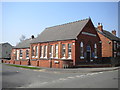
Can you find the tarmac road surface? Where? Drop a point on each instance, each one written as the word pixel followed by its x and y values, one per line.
pixel 14 77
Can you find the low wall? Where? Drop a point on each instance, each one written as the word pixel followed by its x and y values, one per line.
pixel 24 62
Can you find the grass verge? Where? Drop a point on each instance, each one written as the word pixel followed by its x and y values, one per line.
pixel 23 66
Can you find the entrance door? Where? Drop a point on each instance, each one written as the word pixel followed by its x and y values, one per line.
pixel 88 53
pixel 88 56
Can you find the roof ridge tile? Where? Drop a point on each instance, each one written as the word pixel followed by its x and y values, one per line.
pixel 68 23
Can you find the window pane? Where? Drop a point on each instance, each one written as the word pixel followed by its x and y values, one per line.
pixel 81 49
pixel 56 50
pixel 95 50
pixel 33 51
pixel 63 50
pixel 41 51
pixel 51 51
pixel 20 53
pixel 36 50
pixel 44 50
pixel 27 53
pixel 69 50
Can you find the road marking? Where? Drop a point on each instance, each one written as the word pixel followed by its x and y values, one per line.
pixel 62 79
pixel 92 73
pixel 77 76
pixel 100 72
pixel 70 77
pixel 82 75
pixel 44 83
pixel 40 70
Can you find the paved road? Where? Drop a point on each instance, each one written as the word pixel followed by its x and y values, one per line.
pixel 14 77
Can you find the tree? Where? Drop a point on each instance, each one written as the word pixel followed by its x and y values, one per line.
pixel 22 38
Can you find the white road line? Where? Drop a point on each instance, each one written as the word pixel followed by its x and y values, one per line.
pixel 100 72
pixel 82 75
pixel 62 79
pixel 70 77
pixel 44 83
pixel 77 76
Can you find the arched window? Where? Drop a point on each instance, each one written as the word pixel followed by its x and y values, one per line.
pixel 81 50
pixel 95 50
pixel 20 53
pixel 56 50
pixel 51 51
pixel 63 50
pixel 41 51
pixel 69 50
pixel 45 51
pixel 27 53
pixel 81 44
pixel 36 50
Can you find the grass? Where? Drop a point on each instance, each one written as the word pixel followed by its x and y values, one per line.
pixel 23 66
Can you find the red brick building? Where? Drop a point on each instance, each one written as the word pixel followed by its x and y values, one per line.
pixel 60 46
pixel 66 45
pixel 21 52
pixel 110 42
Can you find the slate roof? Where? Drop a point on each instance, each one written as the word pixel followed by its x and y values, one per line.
pixel 24 43
pixel 109 35
pixel 66 31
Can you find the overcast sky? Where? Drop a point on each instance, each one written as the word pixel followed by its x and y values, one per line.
pixel 31 18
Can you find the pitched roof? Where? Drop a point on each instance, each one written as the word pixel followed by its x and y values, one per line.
pixel 66 31
pixel 109 35
pixel 24 43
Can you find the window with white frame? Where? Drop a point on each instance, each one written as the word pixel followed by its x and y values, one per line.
pixel 33 51
pixel 51 51
pixel 17 54
pixel 63 50
pixel 81 50
pixel 56 50
pixel 117 45
pixel 36 51
pixel 45 51
pixel 115 54
pixel 41 51
pixel 27 53
pixel 95 50
pixel 20 53
pixel 114 45
pixel 69 50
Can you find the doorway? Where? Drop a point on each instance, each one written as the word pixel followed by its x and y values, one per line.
pixel 88 53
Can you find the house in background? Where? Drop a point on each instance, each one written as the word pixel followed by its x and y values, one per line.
pixel 66 45
pixel 110 42
pixel 21 52
pixel 5 50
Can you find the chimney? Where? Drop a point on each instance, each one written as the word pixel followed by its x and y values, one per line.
pixel 100 27
pixel 32 37
pixel 114 32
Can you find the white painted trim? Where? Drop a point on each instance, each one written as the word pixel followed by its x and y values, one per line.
pixel 81 57
pixel 95 57
pixel 69 58
pixel 27 58
pixel 90 34
pixel 63 58
pixel 20 57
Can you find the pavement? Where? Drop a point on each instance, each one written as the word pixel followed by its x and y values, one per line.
pixel 75 70
pixel 80 70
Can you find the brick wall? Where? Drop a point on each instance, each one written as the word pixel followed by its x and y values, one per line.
pixel 107 48
pixel 87 40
